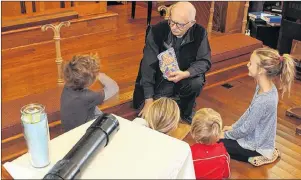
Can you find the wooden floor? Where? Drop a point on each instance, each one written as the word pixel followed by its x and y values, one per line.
pixel 231 104
pixel 126 44
pixel 30 71
pixel 37 70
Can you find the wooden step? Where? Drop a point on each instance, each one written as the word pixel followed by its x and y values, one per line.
pixel 17 141
pixel 11 123
pixel 294 112
pixel 222 71
pixel 81 26
pixel 37 19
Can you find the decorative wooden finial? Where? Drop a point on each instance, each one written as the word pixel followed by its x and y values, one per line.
pixel 56 29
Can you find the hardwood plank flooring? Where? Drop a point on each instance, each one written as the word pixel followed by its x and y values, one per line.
pixel 126 44
pixel 32 69
pixel 231 104
pixel 37 71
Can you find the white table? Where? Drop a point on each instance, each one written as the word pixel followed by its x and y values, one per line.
pixel 134 152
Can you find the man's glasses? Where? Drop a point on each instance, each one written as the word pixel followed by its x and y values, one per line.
pixel 178 25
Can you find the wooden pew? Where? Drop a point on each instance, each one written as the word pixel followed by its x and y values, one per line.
pixel 24 8
pixel 37 19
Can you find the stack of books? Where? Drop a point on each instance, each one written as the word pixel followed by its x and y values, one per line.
pixel 255 16
pixel 265 18
pixel 273 20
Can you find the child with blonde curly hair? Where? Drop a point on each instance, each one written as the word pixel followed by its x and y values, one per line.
pixel 210 158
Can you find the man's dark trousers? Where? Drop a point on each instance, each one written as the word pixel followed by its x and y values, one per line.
pixel 187 90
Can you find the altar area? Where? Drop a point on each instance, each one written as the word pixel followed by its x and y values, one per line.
pixel 30 74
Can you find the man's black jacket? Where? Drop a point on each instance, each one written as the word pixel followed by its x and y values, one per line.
pixel 194 55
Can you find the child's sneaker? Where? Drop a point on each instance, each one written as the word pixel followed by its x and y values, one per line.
pixel 261 160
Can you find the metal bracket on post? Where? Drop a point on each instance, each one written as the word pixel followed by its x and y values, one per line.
pixel 56 29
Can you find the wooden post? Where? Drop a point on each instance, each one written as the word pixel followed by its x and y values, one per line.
pixel 101 5
pixel 56 29
pixel 209 27
pixel 76 3
pixel 28 5
pixel 244 21
pixel 41 6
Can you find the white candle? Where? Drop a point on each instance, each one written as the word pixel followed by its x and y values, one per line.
pixel 36 133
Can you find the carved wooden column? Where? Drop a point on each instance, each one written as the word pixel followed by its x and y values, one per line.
pixel 244 21
pixel 209 27
pixel 56 29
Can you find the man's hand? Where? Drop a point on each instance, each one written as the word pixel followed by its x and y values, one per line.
pixel 227 128
pixel 147 103
pixel 178 76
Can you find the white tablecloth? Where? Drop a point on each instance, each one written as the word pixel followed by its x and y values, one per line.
pixel 134 152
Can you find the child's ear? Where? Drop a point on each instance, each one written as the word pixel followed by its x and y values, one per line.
pixel 261 71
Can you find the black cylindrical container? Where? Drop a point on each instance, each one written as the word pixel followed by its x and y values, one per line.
pixel 96 137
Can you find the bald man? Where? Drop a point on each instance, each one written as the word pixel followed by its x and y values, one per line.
pixel 193 53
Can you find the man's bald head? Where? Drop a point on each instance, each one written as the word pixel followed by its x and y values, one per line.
pixel 182 17
pixel 186 9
